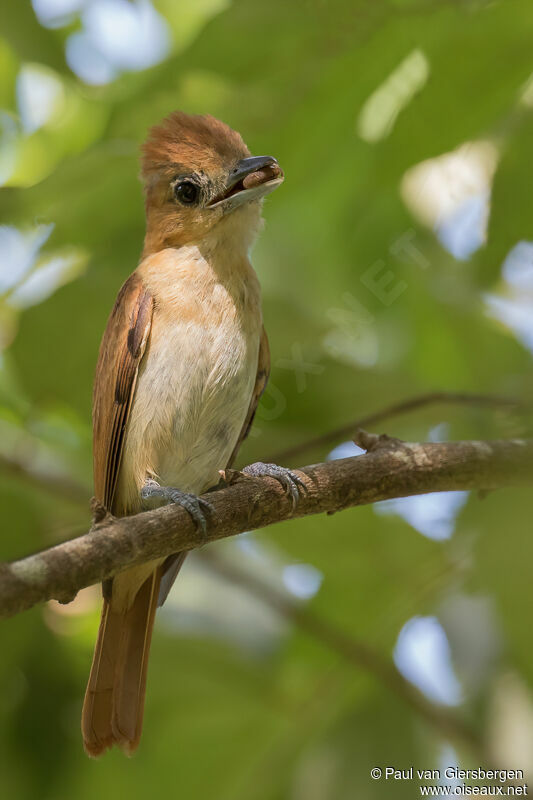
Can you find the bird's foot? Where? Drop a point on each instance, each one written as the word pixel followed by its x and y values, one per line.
pixel 293 485
pixel 193 504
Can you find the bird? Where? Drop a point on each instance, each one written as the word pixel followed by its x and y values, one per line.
pixel 183 362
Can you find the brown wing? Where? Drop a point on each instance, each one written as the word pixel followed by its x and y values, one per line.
pixel 261 380
pixel 121 351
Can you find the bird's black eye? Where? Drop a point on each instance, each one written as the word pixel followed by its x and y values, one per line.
pixel 186 192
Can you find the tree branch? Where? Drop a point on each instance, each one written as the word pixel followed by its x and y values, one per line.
pixel 63 486
pixel 391 469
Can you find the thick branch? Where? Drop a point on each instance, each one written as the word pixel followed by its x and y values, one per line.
pixel 63 486
pixel 391 469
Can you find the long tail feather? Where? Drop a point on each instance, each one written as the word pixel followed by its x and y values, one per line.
pixel 130 678
pixel 114 701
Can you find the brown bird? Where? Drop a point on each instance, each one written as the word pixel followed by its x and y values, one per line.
pixel 183 362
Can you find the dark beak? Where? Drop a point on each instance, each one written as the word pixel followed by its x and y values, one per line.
pixel 246 167
pixel 238 191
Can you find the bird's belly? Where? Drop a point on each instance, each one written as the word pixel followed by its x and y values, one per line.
pixel 207 422
pixel 192 396
pixel 194 461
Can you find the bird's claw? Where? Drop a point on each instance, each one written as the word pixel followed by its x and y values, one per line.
pixel 293 485
pixel 194 505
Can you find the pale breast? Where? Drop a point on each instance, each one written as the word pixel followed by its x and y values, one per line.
pixel 194 384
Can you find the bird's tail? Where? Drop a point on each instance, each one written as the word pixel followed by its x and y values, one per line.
pixel 114 700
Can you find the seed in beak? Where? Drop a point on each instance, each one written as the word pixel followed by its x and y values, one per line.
pixel 262 176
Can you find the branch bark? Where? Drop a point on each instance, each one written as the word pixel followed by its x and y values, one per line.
pixel 390 469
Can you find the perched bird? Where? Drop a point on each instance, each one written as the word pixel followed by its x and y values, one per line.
pixel 182 365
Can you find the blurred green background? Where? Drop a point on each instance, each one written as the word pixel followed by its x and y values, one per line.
pixel 397 259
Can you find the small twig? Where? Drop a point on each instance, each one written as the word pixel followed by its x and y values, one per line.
pixel 403 407
pixel 377 441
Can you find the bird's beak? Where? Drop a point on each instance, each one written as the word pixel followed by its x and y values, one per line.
pixel 251 179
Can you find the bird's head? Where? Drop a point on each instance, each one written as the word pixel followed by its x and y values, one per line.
pixel 200 179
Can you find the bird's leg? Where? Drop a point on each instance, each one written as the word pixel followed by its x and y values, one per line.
pixel 292 484
pixel 190 502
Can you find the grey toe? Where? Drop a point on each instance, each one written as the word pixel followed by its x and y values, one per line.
pixel 293 485
pixel 194 505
